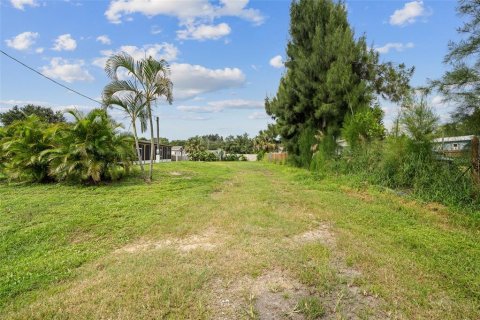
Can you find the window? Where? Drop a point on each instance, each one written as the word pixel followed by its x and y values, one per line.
pixel 455 146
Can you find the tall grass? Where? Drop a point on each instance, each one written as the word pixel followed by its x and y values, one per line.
pixel 410 166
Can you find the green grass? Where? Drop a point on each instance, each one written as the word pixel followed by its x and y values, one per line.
pixel 61 246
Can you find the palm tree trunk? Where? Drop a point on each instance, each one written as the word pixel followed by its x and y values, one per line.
pixel 140 160
pixel 152 140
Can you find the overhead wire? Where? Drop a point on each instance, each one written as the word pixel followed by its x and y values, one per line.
pixel 47 77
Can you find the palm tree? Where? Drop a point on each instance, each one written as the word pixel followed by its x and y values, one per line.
pixel 90 150
pixel 134 107
pixel 149 79
pixel 22 145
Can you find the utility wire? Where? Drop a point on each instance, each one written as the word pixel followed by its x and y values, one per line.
pixel 54 81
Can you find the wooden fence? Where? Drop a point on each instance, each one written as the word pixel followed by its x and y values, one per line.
pixel 277 157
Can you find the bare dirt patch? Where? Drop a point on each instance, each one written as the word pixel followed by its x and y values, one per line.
pixel 273 295
pixel 322 234
pixel 347 300
pixel 175 173
pixel 205 241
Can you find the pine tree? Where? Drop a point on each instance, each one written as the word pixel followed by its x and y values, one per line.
pixel 462 83
pixel 329 74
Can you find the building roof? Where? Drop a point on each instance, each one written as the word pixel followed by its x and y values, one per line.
pixel 454 139
pixel 144 141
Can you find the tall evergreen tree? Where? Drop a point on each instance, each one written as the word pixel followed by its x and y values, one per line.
pixel 462 83
pixel 329 74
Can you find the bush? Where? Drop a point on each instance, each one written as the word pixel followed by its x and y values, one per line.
pixel 22 147
pixel 89 150
pixel 203 155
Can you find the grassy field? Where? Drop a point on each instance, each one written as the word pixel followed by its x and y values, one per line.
pixel 233 240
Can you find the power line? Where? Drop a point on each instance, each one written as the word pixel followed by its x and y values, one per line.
pixel 54 81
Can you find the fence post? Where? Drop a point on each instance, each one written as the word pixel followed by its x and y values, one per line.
pixel 476 159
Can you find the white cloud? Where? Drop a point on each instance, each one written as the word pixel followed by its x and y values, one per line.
pixel 104 39
pixel 69 71
pixel 65 42
pixel 13 102
pixel 399 47
pixel 185 11
pixel 192 80
pixel 258 116
pixel 22 41
pixel 20 4
pixel 276 62
pixel 155 30
pixel 203 32
pixel 39 50
pixel 221 105
pixel 157 51
pixel 408 14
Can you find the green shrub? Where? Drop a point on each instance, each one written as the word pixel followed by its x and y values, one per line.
pixel 91 150
pixel 88 150
pixel 22 147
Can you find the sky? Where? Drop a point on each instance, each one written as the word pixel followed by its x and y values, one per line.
pixel 225 56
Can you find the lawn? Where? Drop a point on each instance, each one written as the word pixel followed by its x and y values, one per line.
pixel 233 240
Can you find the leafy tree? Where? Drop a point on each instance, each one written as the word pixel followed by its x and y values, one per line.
pixel 240 144
pixel 213 141
pixel 194 148
pixel 43 113
pixel 267 140
pixel 22 146
pixel 149 80
pixel 364 126
pixel 329 74
pixel 90 150
pixel 419 121
pixel 461 84
pixel 134 107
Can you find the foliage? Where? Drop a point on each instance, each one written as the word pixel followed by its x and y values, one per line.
pixel 43 113
pixel 22 147
pixel 267 140
pixel 329 74
pixel 90 150
pixel 148 80
pixel 461 84
pixel 239 144
pixel 364 126
pixel 419 121
pixel 234 157
pixel 133 106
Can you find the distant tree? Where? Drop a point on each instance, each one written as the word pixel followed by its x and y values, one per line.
pixel 213 141
pixel 329 73
pixel 267 140
pixel 241 144
pixel 148 79
pixel 461 84
pixel 419 121
pixel 195 148
pixel 43 113
pixel 178 142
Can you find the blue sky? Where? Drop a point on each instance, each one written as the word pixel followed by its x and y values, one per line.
pixel 226 55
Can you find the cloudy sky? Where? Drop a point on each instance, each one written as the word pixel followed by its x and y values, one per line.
pixel 225 55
